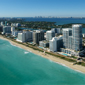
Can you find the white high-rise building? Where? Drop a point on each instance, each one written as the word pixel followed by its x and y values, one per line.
pixel 56 43
pixel 66 33
pixel 53 44
pixel 25 36
pixel 28 35
pixel 49 35
pixel 77 37
pixel 21 37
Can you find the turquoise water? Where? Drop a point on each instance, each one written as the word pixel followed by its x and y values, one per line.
pixel 20 67
pixel 41 47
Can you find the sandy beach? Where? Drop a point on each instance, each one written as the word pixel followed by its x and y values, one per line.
pixel 50 57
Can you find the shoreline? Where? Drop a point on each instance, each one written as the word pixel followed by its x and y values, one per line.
pixel 65 63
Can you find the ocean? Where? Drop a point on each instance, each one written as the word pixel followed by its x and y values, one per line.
pixel 21 67
pixel 59 21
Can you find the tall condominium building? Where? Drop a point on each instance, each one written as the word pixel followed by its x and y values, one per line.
pixel 55 44
pixel 66 33
pixel 28 35
pixel 38 36
pixel 6 29
pixel 77 37
pixel 21 37
pixel 72 37
pixel 49 35
pixel 25 36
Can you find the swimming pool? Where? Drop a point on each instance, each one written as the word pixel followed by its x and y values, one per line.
pixel 40 47
pixel 64 54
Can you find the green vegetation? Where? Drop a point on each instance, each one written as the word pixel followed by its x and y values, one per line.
pixel 81 63
pixel 74 57
pixel 62 57
pixel 39 24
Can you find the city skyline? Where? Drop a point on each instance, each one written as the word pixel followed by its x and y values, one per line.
pixel 32 8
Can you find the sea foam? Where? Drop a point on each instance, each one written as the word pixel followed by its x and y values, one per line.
pixel 26 52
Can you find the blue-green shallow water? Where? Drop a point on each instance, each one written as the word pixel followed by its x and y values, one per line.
pixel 17 67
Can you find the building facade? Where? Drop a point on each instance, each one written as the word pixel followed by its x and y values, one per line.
pixel 25 36
pixel 50 35
pixel 6 29
pixel 38 36
pixel 72 39
pixel 56 43
pixel 77 37
pixel 1 28
pixel 28 35
pixel 21 37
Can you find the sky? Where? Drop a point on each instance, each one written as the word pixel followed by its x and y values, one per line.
pixel 32 8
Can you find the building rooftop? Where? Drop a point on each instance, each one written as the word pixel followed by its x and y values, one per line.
pixel 45 41
pixel 50 31
pixel 67 29
pixel 76 25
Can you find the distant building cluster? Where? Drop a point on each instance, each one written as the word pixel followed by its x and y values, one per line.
pixel 64 40
pixel 16 24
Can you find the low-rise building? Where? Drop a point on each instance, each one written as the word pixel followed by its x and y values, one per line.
pixel 44 43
